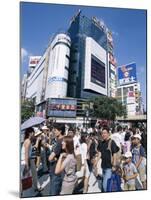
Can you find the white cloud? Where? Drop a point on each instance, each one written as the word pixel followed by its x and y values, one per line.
pixel 115 33
pixel 24 54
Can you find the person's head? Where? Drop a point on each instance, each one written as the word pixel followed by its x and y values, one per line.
pixel 83 139
pixel 59 129
pixel 127 136
pixel 71 132
pixel 128 157
pixel 119 129
pixel 105 133
pixel 68 145
pixel 45 129
pixel 137 139
pixel 28 133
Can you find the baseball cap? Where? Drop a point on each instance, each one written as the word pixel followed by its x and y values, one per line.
pixel 44 128
pixel 137 136
pixel 128 154
pixel 38 132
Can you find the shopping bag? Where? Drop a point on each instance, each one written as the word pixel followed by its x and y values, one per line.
pixel 27 181
pixel 138 183
pixel 114 183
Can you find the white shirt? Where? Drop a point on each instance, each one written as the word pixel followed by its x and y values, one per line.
pixel 117 139
pixel 84 150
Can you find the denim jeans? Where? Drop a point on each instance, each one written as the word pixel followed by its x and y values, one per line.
pixel 106 175
pixel 55 184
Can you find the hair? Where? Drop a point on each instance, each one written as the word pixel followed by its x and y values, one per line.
pixel 119 128
pixel 83 139
pixel 127 136
pixel 69 144
pixel 106 128
pixel 60 127
pixel 27 132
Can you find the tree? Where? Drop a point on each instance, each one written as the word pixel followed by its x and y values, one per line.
pixel 108 108
pixel 27 109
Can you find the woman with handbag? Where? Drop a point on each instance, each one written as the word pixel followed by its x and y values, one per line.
pixel 26 179
pixel 67 164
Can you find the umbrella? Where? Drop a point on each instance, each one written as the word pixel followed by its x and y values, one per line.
pixel 32 122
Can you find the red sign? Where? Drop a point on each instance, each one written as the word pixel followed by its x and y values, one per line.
pixel 112 60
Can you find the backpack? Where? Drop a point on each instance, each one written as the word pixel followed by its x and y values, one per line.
pixel 118 160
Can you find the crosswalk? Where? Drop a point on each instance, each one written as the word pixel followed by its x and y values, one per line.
pixel 45 184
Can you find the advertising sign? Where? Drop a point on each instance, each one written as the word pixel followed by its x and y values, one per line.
pixel 127 74
pixel 97 71
pixel 33 60
pixel 61 107
pixel 112 59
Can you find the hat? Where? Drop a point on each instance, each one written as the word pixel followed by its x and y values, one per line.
pixel 37 133
pixel 137 136
pixel 44 128
pixel 128 154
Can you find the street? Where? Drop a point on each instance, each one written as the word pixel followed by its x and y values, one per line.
pixel 45 183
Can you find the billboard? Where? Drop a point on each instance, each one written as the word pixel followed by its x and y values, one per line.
pixel 127 74
pixel 58 107
pixel 97 71
pixel 34 60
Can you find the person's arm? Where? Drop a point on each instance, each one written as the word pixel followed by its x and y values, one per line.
pixel 139 162
pixel 27 146
pixel 52 156
pixel 97 158
pixel 142 155
pixel 127 178
pixel 60 165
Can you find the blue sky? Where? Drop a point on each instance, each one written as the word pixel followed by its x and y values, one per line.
pixel 39 22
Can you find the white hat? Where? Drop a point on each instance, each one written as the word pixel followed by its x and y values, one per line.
pixel 44 128
pixel 38 132
pixel 137 136
pixel 128 154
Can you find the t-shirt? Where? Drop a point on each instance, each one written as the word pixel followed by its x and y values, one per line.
pixel 117 139
pixel 57 150
pixel 70 168
pixel 129 170
pixel 84 151
pixel 138 152
pixel 106 154
pixel 126 146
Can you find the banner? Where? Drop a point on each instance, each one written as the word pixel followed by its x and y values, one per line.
pixel 127 74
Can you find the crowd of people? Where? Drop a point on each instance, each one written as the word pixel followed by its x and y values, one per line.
pixel 71 155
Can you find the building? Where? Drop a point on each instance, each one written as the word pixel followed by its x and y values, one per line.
pixel 92 62
pixel 128 89
pixel 76 66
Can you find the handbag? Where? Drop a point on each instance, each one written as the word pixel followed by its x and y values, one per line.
pixel 114 183
pixel 27 181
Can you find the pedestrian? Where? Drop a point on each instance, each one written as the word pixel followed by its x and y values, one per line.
pixel 67 164
pixel 32 160
pixel 139 158
pixel 108 155
pixel 127 143
pixel 43 155
pixel 130 172
pixel 56 179
pixel 25 152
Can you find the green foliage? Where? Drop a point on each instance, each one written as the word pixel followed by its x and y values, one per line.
pixel 108 108
pixel 27 109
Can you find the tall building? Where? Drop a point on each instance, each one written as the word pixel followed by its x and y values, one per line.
pixel 76 66
pixel 91 58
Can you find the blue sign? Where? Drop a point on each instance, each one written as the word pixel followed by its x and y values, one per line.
pixel 127 74
pixel 58 107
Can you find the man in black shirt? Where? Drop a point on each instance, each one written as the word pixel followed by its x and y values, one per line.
pixel 108 150
pixel 56 180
